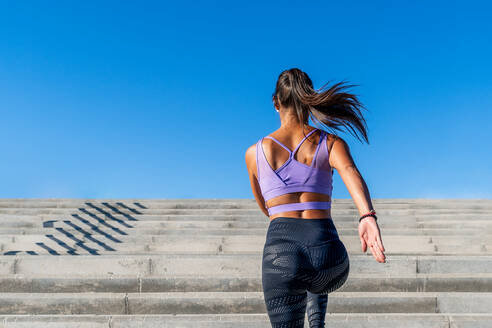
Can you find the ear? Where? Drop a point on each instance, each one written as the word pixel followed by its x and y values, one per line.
pixel 275 103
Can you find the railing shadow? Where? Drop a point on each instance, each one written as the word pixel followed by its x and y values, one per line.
pixel 95 228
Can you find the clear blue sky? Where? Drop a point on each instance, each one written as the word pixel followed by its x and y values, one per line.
pixel 161 99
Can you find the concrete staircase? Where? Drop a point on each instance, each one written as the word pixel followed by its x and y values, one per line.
pixel 197 263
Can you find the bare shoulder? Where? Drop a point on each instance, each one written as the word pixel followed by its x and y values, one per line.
pixel 334 142
pixel 250 152
pixel 250 157
pixel 339 152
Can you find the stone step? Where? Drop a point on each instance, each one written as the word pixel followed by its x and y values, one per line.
pixel 92 249
pixel 399 202
pixel 179 223
pixel 391 240
pixel 253 206
pixel 256 218
pixel 236 302
pixel 419 282
pixel 225 264
pixel 167 227
pixel 225 210
pixel 485 225
pixel 81 228
pixel 67 243
pixel 335 320
pixel 237 219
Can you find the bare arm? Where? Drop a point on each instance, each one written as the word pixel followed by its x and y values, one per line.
pixel 369 233
pixel 250 158
pixel 342 161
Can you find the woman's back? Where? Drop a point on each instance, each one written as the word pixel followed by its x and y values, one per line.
pixel 294 173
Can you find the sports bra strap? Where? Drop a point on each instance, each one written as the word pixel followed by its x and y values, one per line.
pixel 321 140
pixel 281 144
pixel 300 143
pixel 292 153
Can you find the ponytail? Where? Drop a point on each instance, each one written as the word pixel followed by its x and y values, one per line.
pixel 331 107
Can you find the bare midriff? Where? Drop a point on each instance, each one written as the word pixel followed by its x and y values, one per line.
pixel 297 197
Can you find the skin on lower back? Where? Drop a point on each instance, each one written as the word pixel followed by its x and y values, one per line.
pixel 297 197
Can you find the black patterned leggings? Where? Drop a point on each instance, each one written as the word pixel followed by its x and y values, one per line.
pixel 303 261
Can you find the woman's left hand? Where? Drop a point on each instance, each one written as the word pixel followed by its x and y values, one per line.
pixel 369 234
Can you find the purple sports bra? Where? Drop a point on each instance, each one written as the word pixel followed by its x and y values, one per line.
pixel 294 176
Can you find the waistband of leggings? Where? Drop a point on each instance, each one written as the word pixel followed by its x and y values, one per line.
pixel 296 223
pixel 286 219
pixel 305 231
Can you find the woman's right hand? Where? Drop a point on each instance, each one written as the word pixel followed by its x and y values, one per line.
pixel 370 235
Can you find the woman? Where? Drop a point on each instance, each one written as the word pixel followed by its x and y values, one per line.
pixel 291 177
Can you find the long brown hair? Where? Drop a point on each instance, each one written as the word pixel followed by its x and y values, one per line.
pixel 331 107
